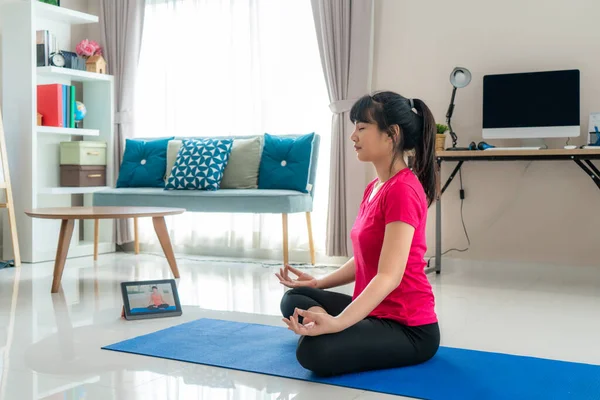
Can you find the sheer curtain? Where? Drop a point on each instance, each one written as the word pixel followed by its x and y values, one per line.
pixel 236 67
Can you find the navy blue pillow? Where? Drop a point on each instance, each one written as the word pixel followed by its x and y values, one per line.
pixel 144 163
pixel 285 162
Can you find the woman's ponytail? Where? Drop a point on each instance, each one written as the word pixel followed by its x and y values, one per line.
pixel 424 162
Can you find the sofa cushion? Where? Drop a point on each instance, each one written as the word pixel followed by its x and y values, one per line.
pixel 285 162
pixel 143 163
pixel 241 171
pixel 200 164
pixel 224 200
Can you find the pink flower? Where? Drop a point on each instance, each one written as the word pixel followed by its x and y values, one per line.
pixel 88 48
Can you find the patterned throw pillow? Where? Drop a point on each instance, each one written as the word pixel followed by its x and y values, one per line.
pixel 200 164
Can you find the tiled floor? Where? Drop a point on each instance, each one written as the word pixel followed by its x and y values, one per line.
pixel 50 344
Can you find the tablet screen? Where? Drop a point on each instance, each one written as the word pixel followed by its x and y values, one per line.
pixel 150 298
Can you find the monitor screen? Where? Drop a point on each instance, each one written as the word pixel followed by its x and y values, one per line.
pixel 534 99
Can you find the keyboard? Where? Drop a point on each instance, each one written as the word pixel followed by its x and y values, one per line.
pixel 512 148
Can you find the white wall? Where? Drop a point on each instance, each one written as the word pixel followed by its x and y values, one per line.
pixel 543 211
pixel 79 32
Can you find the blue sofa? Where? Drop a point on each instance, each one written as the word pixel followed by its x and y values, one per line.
pixel 255 201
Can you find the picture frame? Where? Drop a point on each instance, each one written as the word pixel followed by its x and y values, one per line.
pixel 150 299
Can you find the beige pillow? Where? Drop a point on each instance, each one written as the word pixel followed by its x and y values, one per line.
pixel 172 150
pixel 241 171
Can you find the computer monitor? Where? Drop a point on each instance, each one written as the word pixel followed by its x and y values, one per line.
pixel 531 105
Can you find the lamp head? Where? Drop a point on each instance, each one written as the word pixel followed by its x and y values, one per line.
pixel 460 77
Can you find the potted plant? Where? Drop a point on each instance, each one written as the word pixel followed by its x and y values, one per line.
pixel 440 137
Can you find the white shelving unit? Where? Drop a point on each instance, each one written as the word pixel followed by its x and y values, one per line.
pixel 76 75
pixel 71 190
pixel 33 151
pixel 51 130
pixel 61 14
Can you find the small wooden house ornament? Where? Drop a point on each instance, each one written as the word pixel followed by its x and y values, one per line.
pixel 96 64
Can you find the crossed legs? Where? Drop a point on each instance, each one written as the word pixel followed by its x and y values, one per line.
pixel 372 343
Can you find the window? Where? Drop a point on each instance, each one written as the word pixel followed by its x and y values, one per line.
pixel 235 67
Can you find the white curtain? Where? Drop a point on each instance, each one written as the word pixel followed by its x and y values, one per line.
pixel 235 67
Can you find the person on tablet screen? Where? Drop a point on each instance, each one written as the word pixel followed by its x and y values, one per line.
pixel 390 320
pixel 156 300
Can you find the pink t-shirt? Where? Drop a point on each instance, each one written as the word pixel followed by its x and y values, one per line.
pixel 401 198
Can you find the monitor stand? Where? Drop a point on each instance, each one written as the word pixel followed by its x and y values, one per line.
pixel 533 143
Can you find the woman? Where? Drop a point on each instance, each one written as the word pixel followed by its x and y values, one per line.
pixel 156 300
pixel 390 320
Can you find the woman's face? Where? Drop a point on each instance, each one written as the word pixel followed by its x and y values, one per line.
pixel 370 143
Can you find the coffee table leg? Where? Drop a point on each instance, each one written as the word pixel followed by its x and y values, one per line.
pixel 160 226
pixel 96 238
pixel 66 231
pixel 136 241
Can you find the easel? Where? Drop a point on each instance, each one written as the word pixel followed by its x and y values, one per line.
pixel 9 205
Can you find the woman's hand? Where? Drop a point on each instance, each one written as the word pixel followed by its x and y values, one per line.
pixel 303 279
pixel 320 323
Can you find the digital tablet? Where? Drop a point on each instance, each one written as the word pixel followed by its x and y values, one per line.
pixel 150 299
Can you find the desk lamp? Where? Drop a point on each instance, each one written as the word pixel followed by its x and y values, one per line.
pixel 459 78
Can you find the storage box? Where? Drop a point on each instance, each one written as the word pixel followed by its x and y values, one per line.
pixel 85 152
pixel 82 175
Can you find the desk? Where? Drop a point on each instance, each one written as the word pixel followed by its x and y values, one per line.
pixel 582 157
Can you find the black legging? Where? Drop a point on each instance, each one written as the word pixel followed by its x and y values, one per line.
pixel 372 343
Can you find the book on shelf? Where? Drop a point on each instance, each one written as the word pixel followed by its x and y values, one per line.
pixel 45 44
pixel 56 103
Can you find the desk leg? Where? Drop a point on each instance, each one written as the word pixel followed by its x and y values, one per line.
pixel 66 231
pixel 592 171
pixel 438 221
pixel 438 211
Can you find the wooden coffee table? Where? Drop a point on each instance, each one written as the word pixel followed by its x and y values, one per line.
pixel 68 215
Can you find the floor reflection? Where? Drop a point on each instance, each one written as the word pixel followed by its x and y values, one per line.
pixel 51 344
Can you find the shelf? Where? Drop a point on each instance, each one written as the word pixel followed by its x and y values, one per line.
pixel 71 190
pixel 61 14
pixel 54 130
pixel 73 74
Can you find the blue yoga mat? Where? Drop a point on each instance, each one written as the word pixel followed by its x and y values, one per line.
pixel 451 374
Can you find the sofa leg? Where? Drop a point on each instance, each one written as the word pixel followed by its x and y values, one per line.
pixel 311 243
pixel 136 236
pixel 284 218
